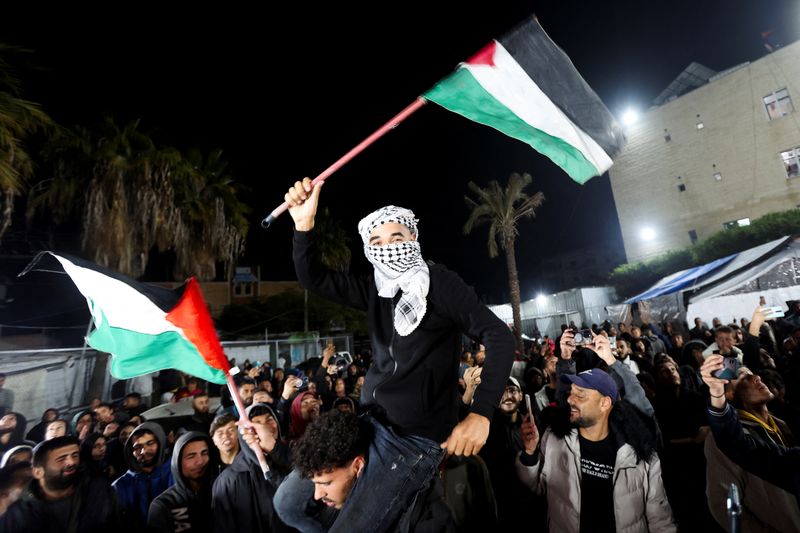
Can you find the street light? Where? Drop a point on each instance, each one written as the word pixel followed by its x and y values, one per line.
pixel 648 234
pixel 629 117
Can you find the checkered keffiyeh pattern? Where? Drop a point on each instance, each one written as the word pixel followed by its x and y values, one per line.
pixel 398 266
pixel 390 213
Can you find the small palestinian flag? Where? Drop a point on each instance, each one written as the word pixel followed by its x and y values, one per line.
pixel 147 328
pixel 525 86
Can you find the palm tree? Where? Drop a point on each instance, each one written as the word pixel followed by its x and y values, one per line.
pixel 333 242
pixel 19 119
pixel 502 209
pixel 135 197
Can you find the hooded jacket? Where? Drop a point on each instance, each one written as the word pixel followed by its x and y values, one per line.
pixel 94 505
pixel 179 508
pixel 73 424
pixel 17 434
pixel 137 489
pixel 242 494
pixel 11 451
pixel 101 468
pixel 297 424
pixel 414 378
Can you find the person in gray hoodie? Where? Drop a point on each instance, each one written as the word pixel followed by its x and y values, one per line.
pixel 186 505
pixel 148 472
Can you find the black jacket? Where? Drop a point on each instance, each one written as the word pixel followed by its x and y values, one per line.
pixel 179 508
pixel 94 500
pixel 242 495
pixel 414 379
pixel 774 464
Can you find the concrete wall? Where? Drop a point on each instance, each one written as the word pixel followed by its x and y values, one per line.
pixel 737 140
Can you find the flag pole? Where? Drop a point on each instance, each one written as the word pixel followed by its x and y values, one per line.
pixel 245 421
pixel 380 132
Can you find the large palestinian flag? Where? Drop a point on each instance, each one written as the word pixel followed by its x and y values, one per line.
pixel 525 86
pixel 147 328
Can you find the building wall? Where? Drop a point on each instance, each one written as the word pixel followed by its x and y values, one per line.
pixel 579 268
pixel 218 294
pixel 737 140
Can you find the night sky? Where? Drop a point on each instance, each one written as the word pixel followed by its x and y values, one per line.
pixel 286 91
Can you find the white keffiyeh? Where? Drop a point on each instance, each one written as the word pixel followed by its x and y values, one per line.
pixel 398 266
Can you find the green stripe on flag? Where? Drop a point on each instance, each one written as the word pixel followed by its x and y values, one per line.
pixel 462 94
pixel 137 353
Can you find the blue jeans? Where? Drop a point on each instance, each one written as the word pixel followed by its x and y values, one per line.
pixel 397 469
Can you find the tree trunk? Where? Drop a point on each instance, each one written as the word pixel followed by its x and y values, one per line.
pixel 513 285
pixel 8 211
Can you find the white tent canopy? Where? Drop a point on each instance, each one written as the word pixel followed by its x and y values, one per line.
pixel 776 277
pixel 720 288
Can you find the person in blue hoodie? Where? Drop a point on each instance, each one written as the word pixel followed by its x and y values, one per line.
pixel 148 474
pixel 186 506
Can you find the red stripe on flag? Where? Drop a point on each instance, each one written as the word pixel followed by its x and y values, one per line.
pixel 191 315
pixel 485 56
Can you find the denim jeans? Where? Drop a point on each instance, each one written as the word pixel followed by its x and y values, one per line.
pixel 397 469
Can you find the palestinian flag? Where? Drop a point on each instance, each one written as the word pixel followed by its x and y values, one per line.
pixel 147 328
pixel 527 87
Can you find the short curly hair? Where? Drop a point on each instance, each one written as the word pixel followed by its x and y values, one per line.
pixel 331 441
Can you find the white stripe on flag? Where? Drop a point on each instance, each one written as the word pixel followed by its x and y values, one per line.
pixel 508 82
pixel 122 305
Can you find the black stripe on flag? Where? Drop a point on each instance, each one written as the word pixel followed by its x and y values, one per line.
pixel 557 77
pixel 165 299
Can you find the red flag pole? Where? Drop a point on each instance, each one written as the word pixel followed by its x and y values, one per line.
pixel 397 119
pixel 245 421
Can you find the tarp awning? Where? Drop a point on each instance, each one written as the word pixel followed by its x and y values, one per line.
pixel 743 260
pixel 680 280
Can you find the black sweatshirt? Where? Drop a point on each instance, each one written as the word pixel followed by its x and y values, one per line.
pixel 414 379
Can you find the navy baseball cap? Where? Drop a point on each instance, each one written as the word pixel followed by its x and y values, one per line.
pixel 594 379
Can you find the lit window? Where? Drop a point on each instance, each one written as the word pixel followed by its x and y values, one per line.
pixel 791 162
pixel 717 176
pixel 742 222
pixel 778 104
pixel 700 126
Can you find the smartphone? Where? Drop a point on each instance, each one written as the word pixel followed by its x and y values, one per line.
pixel 730 369
pixel 528 405
pixel 774 312
pixel 583 337
pixel 303 383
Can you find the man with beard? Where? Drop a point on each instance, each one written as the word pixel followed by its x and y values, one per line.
pixel 201 417
pixel 186 506
pixel 60 497
pixel 500 453
pixel 603 474
pixel 148 475
pixel 247 387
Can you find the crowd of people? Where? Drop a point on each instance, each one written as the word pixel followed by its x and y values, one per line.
pixel 626 427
